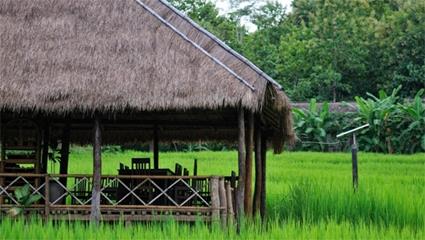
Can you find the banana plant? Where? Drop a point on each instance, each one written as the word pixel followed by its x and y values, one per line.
pixel 312 124
pixel 413 123
pixel 25 198
pixel 379 111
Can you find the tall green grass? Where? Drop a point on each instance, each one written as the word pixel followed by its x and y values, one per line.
pixel 37 229
pixel 309 195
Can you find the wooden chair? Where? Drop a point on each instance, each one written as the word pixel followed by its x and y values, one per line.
pixel 82 190
pixel 140 163
pixel 178 170
pixel 110 186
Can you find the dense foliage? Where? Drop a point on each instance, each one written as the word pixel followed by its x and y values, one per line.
pixel 326 49
pixel 396 125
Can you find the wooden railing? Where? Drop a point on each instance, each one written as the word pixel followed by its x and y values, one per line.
pixel 130 197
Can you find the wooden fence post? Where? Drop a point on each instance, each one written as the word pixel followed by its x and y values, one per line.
pixel 229 198
pixel 215 199
pixel 223 203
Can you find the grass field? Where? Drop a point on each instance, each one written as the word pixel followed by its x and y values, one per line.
pixel 309 196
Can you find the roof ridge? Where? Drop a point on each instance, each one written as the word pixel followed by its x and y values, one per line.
pixel 222 44
pixel 195 44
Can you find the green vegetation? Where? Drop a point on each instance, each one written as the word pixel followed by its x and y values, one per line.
pixel 396 125
pixel 329 50
pixel 309 196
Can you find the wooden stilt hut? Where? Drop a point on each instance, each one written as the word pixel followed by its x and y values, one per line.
pixel 112 72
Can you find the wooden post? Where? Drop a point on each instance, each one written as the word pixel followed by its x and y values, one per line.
pixel 354 150
pixel 1 156
pixel 64 153
pixel 215 199
pixel 223 203
pixel 258 170
pixel 240 194
pixel 249 151
pixel 230 211
pixel 155 147
pixel 45 154
pixel 263 176
pixel 46 196
pixel 97 171
pixel 195 167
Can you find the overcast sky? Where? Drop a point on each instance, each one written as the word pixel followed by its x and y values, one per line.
pixel 223 6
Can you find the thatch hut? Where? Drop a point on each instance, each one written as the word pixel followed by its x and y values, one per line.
pixel 113 72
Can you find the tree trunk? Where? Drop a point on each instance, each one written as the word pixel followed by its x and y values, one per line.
pixel 97 171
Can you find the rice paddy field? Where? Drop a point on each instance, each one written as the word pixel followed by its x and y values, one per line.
pixel 309 196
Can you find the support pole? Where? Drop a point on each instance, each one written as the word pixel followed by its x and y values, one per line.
pixel 263 210
pixel 45 153
pixel 258 170
pixel 223 203
pixel 1 156
pixel 248 167
pixel 97 171
pixel 64 153
pixel 155 147
pixel 354 150
pixel 240 194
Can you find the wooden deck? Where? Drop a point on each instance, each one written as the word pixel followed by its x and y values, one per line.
pixel 124 197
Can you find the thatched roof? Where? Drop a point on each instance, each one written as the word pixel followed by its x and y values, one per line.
pixel 105 55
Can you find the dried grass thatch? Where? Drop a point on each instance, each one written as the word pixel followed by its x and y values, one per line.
pixel 61 56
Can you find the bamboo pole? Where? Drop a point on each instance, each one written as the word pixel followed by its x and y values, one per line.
pixel 258 171
pixel 248 167
pixel 97 171
pixel 223 203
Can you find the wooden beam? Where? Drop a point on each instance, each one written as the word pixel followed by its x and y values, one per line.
pixel 258 169
pixel 97 171
pixel 248 167
pixel 240 194
pixel 263 210
pixel 45 153
pixel 155 147
pixel 63 169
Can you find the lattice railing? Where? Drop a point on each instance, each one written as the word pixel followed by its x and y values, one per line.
pixel 176 191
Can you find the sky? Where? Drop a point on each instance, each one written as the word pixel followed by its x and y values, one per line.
pixel 223 6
